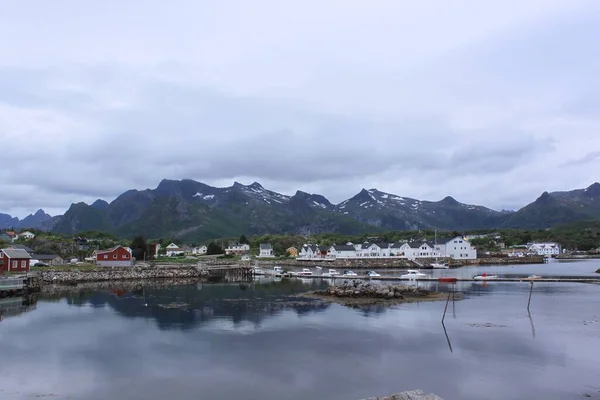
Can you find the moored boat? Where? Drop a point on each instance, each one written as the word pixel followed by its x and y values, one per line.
pixel 485 277
pixel 305 272
pixel 413 274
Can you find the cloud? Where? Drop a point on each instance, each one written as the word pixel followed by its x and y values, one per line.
pixel 422 100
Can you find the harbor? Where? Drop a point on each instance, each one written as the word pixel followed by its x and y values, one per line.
pixel 272 338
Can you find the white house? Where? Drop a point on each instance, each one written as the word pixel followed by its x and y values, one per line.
pixel 237 248
pixel 173 250
pixel 308 251
pixel 420 249
pixel 201 250
pixel 456 248
pixel 399 249
pixel 342 251
pixel 544 249
pixel 266 250
pixel 26 235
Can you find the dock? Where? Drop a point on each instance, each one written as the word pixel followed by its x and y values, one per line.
pixel 226 273
pixel 432 279
pixel 18 285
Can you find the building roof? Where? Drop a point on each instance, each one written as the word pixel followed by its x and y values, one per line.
pixel 398 245
pixel 16 253
pixel 22 247
pixel 343 247
pixel 419 243
pixel 49 257
pixel 108 250
pixel 266 246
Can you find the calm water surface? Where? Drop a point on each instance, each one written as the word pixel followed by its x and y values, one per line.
pixel 261 342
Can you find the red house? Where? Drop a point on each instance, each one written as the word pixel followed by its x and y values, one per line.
pixel 14 260
pixel 116 257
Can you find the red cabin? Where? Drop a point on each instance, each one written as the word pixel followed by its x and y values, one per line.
pixel 14 260
pixel 116 257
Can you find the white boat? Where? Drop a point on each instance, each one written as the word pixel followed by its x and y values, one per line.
pixel 372 274
pixel 349 273
pixel 317 267
pixel 413 274
pixel 305 272
pixel 331 272
pixel 258 271
pixel 485 277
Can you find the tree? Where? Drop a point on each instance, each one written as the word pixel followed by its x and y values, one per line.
pixel 214 248
pixel 139 248
pixel 244 240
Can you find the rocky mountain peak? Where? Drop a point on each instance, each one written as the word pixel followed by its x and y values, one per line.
pixel 593 190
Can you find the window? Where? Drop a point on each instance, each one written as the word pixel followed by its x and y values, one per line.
pixel 15 264
pixel 106 256
pixel 114 256
pixel 23 264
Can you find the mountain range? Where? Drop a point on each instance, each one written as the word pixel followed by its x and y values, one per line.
pixel 195 211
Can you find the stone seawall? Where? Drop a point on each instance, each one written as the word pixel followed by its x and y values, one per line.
pixel 411 395
pixel 119 273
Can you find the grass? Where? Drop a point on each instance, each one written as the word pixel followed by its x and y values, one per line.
pixel 69 267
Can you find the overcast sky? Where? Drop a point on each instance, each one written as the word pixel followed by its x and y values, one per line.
pixel 491 102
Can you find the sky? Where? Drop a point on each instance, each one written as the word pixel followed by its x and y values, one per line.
pixel 490 102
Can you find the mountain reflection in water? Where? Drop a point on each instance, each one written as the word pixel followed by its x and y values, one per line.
pixel 260 341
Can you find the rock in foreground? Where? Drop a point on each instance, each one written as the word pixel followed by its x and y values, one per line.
pixel 411 395
pixel 363 292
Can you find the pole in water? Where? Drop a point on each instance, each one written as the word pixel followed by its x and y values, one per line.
pixel 530 291
pixel 446 308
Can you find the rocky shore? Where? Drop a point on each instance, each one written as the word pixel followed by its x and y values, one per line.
pixel 122 285
pixel 365 292
pixel 119 274
pixel 410 395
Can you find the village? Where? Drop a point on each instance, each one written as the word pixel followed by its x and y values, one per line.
pixel 18 257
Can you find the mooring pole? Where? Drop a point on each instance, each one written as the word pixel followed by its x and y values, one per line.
pixel 530 291
pixel 446 308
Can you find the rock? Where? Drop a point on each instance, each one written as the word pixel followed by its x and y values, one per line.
pixel 598 271
pixel 398 295
pixel 410 395
pixel 390 295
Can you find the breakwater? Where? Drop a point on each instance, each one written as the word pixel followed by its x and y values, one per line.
pixel 410 395
pixel 230 273
pixel 59 289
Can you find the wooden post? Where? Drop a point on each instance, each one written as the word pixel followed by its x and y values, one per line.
pixel 446 308
pixel 530 291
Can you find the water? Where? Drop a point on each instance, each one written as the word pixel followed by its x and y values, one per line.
pixel 261 342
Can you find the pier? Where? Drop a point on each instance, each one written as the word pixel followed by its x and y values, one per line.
pixel 226 273
pixel 442 280
pixel 18 285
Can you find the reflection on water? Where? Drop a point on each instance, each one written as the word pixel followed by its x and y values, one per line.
pixel 13 306
pixel 259 340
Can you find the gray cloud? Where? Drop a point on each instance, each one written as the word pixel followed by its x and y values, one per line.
pixel 320 110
